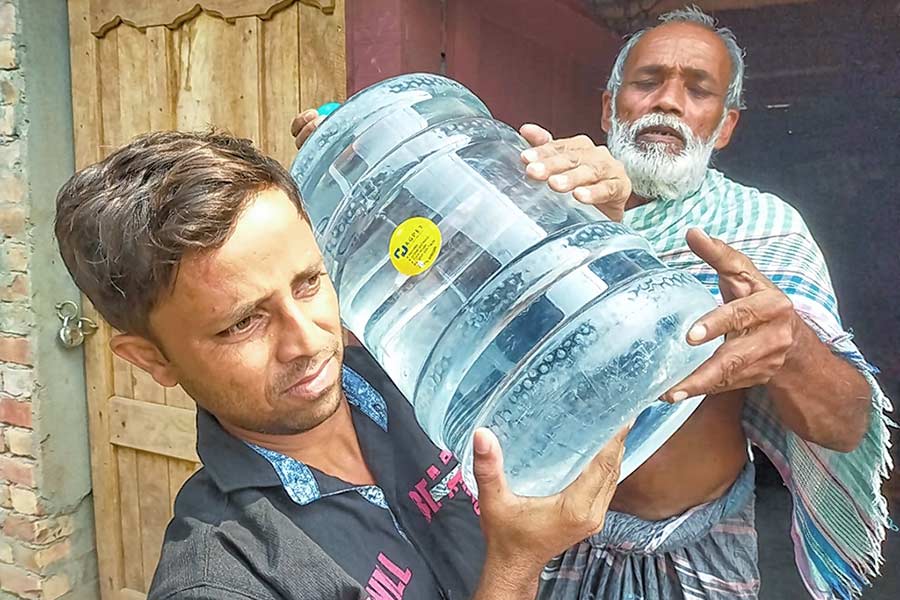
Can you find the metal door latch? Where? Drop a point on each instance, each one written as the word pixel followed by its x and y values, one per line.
pixel 74 327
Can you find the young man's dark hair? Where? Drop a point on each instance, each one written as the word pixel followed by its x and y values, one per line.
pixel 124 224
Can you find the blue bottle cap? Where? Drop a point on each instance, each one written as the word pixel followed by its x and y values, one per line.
pixel 327 109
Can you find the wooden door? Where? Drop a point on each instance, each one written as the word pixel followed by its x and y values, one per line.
pixel 245 66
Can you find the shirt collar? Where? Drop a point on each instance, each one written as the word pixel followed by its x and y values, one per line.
pixel 234 464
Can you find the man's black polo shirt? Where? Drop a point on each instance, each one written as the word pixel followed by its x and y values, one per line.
pixel 253 523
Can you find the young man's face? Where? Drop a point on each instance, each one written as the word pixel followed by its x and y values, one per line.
pixel 251 330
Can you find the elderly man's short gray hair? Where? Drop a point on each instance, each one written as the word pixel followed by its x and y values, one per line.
pixel 692 14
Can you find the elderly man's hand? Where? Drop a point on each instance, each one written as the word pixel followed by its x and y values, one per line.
pixel 758 321
pixel 304 124
pixel 579 166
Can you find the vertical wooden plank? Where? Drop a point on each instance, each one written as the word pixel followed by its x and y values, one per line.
pixel 86 110
pixel 240 76
pixel 193 100
pixel 136 53
pixel 218 75
pixel 153 485
pixel 134 113
pixel 163 83
pixel 129 493
pixel 111 136
pixel 279 83
pixel 163 90
pixel 130 519
pixel 160 80
pixel 134 119
pixel 179 470
pixel 85 86
pixel 156 508
pixel 105 466
pixel 122 372
pixel 323 68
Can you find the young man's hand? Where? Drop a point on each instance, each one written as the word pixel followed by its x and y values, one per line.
pixel 523 534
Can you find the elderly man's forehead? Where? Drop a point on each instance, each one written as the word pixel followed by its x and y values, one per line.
pixel 685 41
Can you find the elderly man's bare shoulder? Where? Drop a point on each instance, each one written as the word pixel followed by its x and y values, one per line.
pixel 696 465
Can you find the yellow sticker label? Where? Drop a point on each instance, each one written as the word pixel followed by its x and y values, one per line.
pixel 415 245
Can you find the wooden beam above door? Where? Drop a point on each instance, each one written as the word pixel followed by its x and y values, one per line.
pixel 107 14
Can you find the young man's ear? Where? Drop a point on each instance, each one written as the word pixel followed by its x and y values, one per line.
pixel 144 354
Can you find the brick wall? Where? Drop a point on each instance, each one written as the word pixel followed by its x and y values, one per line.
pixel 45 545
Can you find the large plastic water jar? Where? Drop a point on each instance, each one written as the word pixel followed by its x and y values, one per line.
pixel 489 299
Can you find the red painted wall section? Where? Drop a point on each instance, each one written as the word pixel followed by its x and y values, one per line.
pixel 537 61
pixel 540 62
pixel 390 37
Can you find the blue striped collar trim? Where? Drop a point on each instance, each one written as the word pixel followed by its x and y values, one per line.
pixel 364 397
pixel 298 479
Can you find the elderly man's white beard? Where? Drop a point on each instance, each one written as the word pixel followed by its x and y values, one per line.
pixel 655 172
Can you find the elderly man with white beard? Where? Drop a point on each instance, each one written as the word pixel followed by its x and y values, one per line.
pixel 787 379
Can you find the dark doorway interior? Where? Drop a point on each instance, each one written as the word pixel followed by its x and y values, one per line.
pixel 821 131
